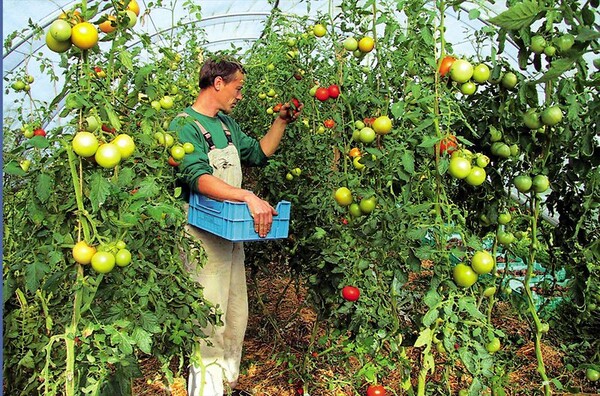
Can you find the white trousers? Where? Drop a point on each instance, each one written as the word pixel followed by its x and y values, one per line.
pixel 223 278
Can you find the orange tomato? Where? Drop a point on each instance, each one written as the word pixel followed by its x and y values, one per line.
pixel 354 152
pixel 107 26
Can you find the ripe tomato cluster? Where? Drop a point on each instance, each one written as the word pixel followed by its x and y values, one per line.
pixel 331 92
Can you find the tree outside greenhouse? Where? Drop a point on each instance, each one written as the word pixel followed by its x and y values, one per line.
pixel 444 186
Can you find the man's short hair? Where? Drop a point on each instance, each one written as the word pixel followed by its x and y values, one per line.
pixel 214 67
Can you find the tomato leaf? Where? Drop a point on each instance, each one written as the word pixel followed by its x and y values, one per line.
pixel 518 16
pixel 13 168
pixel 149 320
pixel 112 117
pixel 587 34
pixel 474 14
pixel 44 187
pixel 557 68
pixel 425 338
pixel 39 142
pixel 34 273
pixel 125 58
pixel 408 162
pixel 142 339
pixel 100 190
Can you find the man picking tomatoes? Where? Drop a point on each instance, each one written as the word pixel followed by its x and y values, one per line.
pixel 214 170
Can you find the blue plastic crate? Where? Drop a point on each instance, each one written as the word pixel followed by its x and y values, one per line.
pixel 232 220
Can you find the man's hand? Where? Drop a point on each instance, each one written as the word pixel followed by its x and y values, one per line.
pixel 263 213
pixel 290 111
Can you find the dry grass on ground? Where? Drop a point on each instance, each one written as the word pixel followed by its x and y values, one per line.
pixel 281 325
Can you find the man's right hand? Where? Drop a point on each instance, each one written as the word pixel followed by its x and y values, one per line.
pixel 262 212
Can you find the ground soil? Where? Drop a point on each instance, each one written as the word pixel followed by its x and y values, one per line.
pixel 280 328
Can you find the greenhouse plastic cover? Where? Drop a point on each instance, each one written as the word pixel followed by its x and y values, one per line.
pixel 224 23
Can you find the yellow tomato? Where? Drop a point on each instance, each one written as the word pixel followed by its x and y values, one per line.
pixel 382 125
pixel 84 35
pixel 83 253
pixel 366 44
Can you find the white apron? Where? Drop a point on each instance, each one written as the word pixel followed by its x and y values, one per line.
pixel 217 359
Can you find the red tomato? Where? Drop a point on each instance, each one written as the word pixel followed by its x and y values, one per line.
pixel 375 390
pixel 106 128
pixel 350 293
pixel 448 145
pixel 369 121
pixel 445 64
pixel 172 162
pixel 322 94
pixel 329 123
pixel 295 102
pixel 333 91
pixel 39 132
pixel 277 107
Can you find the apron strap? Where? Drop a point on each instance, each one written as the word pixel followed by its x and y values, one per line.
pixel 207 135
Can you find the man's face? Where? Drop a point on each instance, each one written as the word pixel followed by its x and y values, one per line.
pixel 231 92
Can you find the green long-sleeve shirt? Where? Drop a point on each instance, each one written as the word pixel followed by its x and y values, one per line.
pixel 196 164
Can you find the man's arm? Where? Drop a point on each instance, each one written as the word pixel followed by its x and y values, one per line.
pixel 271 140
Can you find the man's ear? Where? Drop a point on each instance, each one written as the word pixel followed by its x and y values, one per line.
pixel 218 83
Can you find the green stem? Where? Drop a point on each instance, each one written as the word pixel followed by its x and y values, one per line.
pixel 535 208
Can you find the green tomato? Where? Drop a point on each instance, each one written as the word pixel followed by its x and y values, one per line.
pixel 531 119
pixel 60 30
pixel 500 149
pixel 188 147
pixel 476 176
pixel 540 183
pixel 552 116
pixel 123 257
pixel 592 374
pixel 482 262
pixel 493 346
pixel 550 51
pixel 103 262
pixel 565 42
pixel 319 30
pixel 108 155
pixel 509 80
pixel 354 210
pixel 351 44
pixel 489 291
pixel 468 88
pixel 505 238
pixel 296 171
pixel 85 144
pixel 464 275
pixel 481 73
pixel 367 205
pixel 367 135
pixel 538 43
pixel 18 85
pixel 125 144
pixel 504 218
pixel 461 70
pixel 523 183
pixel 459 167
pixel 482 160
pixel 177 152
